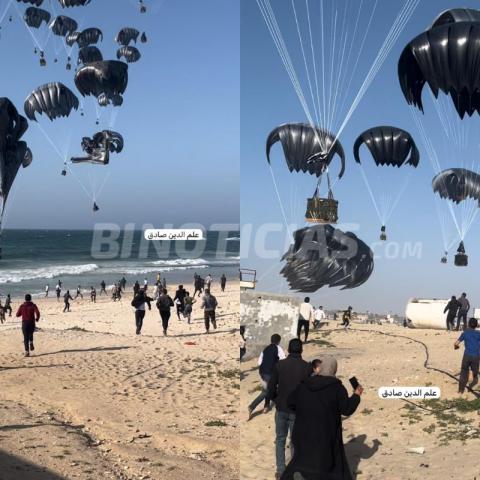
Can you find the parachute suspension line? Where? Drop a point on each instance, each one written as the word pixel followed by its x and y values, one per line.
pixel 307 70
pixel 399 24
pixel 372 196
pixel 27 27
pixel 280 203
pixel 395 200
pixel 74 175
pixel 276 34
pixel 4 14
pixel 52 143
pixel 433 157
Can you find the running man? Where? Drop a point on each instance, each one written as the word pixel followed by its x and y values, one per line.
pixel 319 317
pixel 471 356
pixel 79 292
pixel 179 299
pixel 93 295
pixel 223 282
pixel 103 286
pixel 58 291
pixel 8 305
pixel 139 302
pixel 30 315
pixel 463 311
pixel 164 304
pixel 347 316
pixel 209 305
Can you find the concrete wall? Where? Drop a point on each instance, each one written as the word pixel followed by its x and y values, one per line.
pixel 264 314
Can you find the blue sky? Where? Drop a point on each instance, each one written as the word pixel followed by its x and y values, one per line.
pixel 268 100
pixel 180 120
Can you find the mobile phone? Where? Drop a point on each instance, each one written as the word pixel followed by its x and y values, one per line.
pixel 354 382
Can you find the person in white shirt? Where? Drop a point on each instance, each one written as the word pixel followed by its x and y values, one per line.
pixel 319 317
pixel 47 288
pixel 305 316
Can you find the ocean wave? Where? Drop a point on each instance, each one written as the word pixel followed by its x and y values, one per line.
pixel 53 271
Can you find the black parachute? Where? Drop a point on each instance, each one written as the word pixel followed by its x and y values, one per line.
pixel 53 99
pixel 37 3
pixel 106 80
pixel 62 25
pixel 455 15
pixel 34 17
pixel 89 36
pixel 322 255
pixel 457 184
pixel 99 147
pixel 89 54
pixel 306 148
pixel 127 35
pixel 446 57
pixel 13 152
pixel 388 146
pixel 130 54
pixel 73 3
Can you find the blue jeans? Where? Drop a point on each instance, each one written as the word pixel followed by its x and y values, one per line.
pixel 261 397
pixel 283 424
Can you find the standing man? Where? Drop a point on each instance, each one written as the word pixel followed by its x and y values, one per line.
pixel 93 295
pixel 66 300
pixel 123 283
pixel 267 361
pixel 198 285
pixel 305 316
pixel 208 282
pixel 145 284
pixel 209 305
pixel 319 317
pixel 471 357
pixel 47 288
pixel 223 282
pixel 58 291
pixel 30 315
pixel 451 310
pixel 286 376
pixel 463 310
pixel 347 316
pixel 103 288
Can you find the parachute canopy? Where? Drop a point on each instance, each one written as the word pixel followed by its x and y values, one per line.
pixel 73 3
pixel 89 36
pixel 455 15
pixel 99 147
pixel 457 184
pixel 322 255
pixel 127 35
pixel 34 17
pixel 71 38
pixel 53 99
pixel 306 148
pixel 89 54
pixel 62 25
pixel 105 80
pixel 445 57
pixel 388 146
pixel 130 54
pixel 13 152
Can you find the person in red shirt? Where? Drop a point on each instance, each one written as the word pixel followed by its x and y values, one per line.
pixel 30 315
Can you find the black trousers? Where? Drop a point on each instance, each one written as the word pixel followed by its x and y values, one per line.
pixel 139 316
pixel 209 316
pixel 468 363
pixel 165 315
pixel 66 308
pixel 306 326
pixel 450 322
pixel 27 330
pixel 462 315
pixel 8 309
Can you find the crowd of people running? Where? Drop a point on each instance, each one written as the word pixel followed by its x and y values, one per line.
pixel 182 302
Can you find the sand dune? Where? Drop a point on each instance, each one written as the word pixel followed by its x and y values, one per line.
pixel 97 399
pixel 381 431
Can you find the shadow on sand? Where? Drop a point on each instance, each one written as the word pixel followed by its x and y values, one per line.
pixel 357 450
pixel 81 350
pixel 15 468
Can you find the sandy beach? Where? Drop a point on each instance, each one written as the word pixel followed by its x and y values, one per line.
pixel 379 434
pixel 97 401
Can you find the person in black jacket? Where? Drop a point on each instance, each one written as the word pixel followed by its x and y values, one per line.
pixel 267 361
pixel 319 403
pixel 139 301
pixel 452 308
pixel 286 376
pixel 164 303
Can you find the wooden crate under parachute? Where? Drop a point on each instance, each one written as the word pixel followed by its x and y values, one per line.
pixel 322 210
